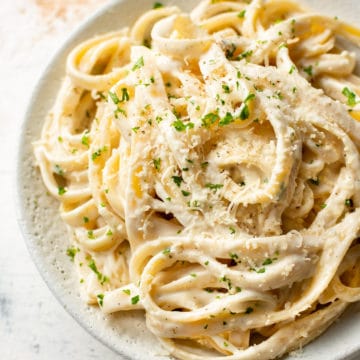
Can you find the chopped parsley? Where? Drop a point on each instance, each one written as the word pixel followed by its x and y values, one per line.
pixel 119 110
pixel 98 153
pixel 250 97
pixel 85 219
pixel 126 291
pixel 226 280
pixel 91 234
pixel 85 139
pixel 292 69
pixel 351 97
pixel 100 298
pixel 157 163
pixel 309 70
pixel 157 5
pixel 166 251
pixel 241 14
pixel 232 230
pixel 267 261
pixel 114 97
pixel 209 119
pixel 139 63
pixel 185 193
pixel 71 252
pixel 249 310
pixel 244 114
pixel 177 180
pixel 135 299
pixel 102 278
pixel 61 190
pixel 226 120
pixel 349 203
pixel 180 126
pixel 245 55
pixel 213 186
pixel 226 88
pixel 109 232
pixel 124 95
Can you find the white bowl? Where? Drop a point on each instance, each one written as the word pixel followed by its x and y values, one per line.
pixel 45 233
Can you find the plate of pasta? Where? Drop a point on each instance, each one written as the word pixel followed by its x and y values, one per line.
pixel 189 179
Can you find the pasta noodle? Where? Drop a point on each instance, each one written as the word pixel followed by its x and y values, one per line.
pixel 208 170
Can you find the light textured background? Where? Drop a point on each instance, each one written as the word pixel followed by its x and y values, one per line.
pixel 33 325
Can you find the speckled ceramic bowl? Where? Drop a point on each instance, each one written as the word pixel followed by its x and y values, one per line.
pixel 45 233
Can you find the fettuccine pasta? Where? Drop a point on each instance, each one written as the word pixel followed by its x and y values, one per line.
pixel 208 170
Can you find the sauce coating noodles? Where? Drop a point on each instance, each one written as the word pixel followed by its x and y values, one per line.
pixel 208 170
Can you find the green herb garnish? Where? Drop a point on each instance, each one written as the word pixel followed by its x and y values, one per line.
pixel 351 97
pixel 102 278
pixel 139 63
pixel 100 298
pixel 209 119
pixel 71 252
pixel 213 186
pixel 177 180
pixel 157 5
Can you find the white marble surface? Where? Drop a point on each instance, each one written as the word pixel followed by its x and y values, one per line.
pixel 33 325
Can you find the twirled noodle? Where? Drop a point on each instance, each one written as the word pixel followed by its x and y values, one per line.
pixel 208 170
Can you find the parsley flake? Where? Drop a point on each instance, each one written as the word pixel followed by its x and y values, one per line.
pixel 309 70
pixel 85 139
pixel 71 252
pixel 180 126
pixel 139 63
pixel 213 186
pixel 157 163
pixel 351 97
pixel 157 5
pixel 226 120
pixel 124 95
pixel 100 298
pixel 209 119
pixel 349 202
pixel 177 180
pixel 114 97
pixel 102 278
pixel 61 190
